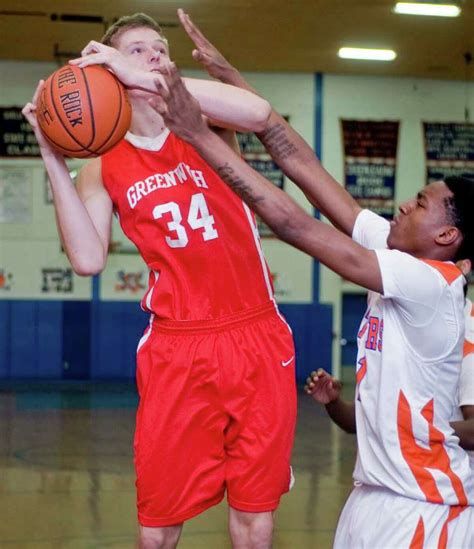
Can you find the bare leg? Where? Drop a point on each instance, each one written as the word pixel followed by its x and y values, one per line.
pixel 250 530
pixel 159 538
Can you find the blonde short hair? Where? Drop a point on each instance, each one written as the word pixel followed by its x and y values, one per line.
pixel 135 21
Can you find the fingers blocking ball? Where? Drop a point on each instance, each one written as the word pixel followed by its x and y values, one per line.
pixel 83 112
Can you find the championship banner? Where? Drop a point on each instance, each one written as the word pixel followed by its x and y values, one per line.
pixel 16 135
pixel 449 149
pixel 255 154
pixel 370 152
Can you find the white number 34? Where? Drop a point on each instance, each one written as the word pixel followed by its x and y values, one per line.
pixel 198 218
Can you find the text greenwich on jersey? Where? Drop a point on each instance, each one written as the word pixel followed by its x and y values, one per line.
pixel 183 173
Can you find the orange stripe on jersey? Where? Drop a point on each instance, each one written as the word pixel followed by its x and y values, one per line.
pixel 420 459
pixel 468 348
pixel 454 513
pixel 449 271
pixel 472 310
pixel 360 374
pixel 441 456
pixel 419 536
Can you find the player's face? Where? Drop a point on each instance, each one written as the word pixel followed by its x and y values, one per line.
pixel 144 47
pixel 420 221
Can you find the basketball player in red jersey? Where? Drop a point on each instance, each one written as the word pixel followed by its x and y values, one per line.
pixel 215 368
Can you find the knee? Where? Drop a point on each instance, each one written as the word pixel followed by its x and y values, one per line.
pixel 159 538
pixel 251 530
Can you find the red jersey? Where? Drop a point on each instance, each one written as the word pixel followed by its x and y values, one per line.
pixel 199 240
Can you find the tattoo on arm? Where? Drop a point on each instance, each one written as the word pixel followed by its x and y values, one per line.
pixel 277 142
pixel 242 188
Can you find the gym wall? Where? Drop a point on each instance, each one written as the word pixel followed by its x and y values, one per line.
pixel 56 325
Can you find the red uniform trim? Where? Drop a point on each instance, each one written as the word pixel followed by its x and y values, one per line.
pixel 360 374
pixel 171 520
pixel 418 539
pixel 215 325
pixel 449 271
pixel 420 459
pixel 454 513
pixel 468 348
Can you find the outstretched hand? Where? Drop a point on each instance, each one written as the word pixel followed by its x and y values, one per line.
pixel 180 111
pixel 323 387
pixel 205 53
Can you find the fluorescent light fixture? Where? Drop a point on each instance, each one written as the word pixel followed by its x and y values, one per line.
pixel 367 53
pixel 423 8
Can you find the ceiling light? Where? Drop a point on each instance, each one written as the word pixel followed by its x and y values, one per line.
pixel 366 53
pixel 423 8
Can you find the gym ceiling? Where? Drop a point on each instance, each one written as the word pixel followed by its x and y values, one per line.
pixel 256 35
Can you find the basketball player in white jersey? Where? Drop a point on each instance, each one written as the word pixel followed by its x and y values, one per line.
pixel 326 389
pixel 415 487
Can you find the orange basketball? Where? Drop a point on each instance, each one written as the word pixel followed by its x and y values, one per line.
pixel 83 112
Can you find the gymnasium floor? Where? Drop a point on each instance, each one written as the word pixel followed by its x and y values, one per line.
pixel 67 482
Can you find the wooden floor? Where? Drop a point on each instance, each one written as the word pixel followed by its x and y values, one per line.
pixel 67 481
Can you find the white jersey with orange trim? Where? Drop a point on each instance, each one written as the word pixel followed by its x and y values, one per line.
pixel 408 365
pixel 377 518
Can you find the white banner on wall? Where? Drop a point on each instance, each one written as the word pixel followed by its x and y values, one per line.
pixel 15 195
pixel 39 272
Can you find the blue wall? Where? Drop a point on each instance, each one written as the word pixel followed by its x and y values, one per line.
pixel 353 310
pixel 66 340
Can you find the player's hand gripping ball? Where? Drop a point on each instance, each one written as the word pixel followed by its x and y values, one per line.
pixel 83 112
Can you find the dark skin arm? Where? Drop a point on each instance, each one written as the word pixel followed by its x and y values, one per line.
pixel 326 390
pixel 467 412
pixel 289 222
pixel 465 431
pixel 289 150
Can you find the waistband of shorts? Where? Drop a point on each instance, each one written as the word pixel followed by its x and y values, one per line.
pixel 215 325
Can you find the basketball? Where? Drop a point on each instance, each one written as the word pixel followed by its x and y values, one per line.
pixel 83 112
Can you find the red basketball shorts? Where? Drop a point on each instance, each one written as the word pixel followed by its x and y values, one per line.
pixel 217 414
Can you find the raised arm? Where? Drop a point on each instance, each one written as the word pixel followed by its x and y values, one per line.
pixel 225 105
pixel 290 222
pixel 210 57
pixel 228 106
pixel 289 150
pixel 84 215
